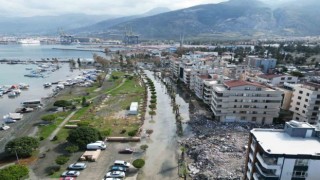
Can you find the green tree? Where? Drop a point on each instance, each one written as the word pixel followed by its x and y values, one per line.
pixel 61 160
pixel 297 74
pixel 24 146
pixel 144 147
pixel 14 172
pixel 138 163
pixel 62 103
pixel 83 136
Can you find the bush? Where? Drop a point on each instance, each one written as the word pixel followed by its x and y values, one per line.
pixel 83 123
pixel 49 117
pixel 61 160
pixel 123 131
pixel 153 101
pixel 24 146
pixel 153 97
pixel 14 172
pixel 138 163
pixel 144 147
pixel 53 169
pixel 106 132
pixel 72 148
pixel 62 103
pixel 83 136
pixel 133 132
pixel 54 138
pixel 153 93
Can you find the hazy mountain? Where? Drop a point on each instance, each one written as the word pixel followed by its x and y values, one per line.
pixel 46 24
pixel 104 25
pixel 232 19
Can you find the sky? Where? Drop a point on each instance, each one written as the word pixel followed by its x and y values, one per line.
pixel 27 8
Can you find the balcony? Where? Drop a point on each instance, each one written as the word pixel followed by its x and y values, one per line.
pixel 252 147
pixel 268 162
pixel 250 166
pixel 266 173
pixel 248 175
pixel 251 156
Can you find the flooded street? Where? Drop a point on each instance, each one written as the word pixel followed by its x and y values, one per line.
pixel 162 154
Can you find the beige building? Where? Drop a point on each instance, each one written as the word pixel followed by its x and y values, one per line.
pixel 306 102
pixel 243 101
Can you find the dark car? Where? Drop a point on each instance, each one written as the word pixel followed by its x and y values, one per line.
pixel 118 168
pixel 126 151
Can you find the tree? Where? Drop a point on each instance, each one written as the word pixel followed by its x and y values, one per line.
pixel 83 136
pixel 79 62
pixel 297 74
pixel 138 163
pixel 72 149
pixel 62 103
pixel 14 172
pixel 61 160
pixel 23 146
pixel 144 147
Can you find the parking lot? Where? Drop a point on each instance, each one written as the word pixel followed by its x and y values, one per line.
pixel 98 169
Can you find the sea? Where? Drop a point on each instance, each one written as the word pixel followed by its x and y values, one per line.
pixel 14 74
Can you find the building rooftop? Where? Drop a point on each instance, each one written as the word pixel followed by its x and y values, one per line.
pixel 236 83
pixel 270 76
pixel 279 142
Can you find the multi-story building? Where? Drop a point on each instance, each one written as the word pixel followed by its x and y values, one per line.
pixel 266 65
pixel 207 91
pixel 174 66
pixel 292 153
pixel 244 101
pixel 234 71
pixel 277 79
pixel 305 102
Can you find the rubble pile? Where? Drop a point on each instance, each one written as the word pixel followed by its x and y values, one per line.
pixel 218 150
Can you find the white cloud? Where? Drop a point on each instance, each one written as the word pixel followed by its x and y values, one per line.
pixel 114 7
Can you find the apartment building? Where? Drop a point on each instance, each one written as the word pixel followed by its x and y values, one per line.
pixel 305 102
pixel 234 71
pixel 292 153
pixel 174 67
pixel 277 79
pixel 266 64
pixel 207 91
pixel 244 101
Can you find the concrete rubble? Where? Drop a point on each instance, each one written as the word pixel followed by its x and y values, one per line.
pixel 218 150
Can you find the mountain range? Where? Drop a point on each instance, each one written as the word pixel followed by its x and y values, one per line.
pixel 234 19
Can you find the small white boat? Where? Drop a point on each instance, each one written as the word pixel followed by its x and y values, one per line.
pixel 47 85
pixel 17 91
pixel 23 86
pixel 7 119
pixel 5 127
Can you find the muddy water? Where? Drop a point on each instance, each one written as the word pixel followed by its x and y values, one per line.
pixel 162 154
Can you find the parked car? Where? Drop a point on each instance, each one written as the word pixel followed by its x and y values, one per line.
pixel 126 151
pixel 112 179
pixel 67 178
pixel 118 168
pixel 122 163
pixel 70 173
pixel 115 174
pixel 77 166
pixel 97 145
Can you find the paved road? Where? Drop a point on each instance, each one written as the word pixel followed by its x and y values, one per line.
pixel 55 132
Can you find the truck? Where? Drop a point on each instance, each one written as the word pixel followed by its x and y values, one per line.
pixel 97 145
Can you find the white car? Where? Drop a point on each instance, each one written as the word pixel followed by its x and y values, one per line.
pixel 77 166
pixel 115 174
pixel 112 179
pixel 122 163
pixel 70 173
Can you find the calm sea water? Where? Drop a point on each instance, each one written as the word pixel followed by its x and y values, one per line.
pixel 14 74
pixel 37 52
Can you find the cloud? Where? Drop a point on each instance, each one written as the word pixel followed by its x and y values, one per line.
pixel 110 7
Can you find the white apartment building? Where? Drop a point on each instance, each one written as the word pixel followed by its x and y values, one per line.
pixel 277 79
pixel 174 66
pixel 244 101
pixel 207 91
pixel 292 153
pixel 305 102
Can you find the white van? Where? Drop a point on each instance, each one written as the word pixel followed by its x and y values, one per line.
pixel 97 145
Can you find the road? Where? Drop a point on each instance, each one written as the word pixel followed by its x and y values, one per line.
pixel 162 154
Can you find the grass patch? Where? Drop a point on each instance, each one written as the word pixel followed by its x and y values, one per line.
pixel 80 113
pixel 62 135
pixel 45 131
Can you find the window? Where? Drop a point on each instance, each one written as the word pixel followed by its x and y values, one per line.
pixel 314 114
pixel 300 92
pixel 305 106
pixel 289 78
pixel 299 97
pixel 247 88
pixel 298 103
pixel 300 174
pixel 316 108
pixel 306 100
pixel 283 78
pixel 235 106
pixel 303 111
pixel 243 118
pixel 301 162
pixel 297 109
pixel 254 119
pixel 266 107
pixel 297 118
pixel 308 94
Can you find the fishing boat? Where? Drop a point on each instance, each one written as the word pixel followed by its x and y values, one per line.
pixel 12 94
pixel 47 85
pixel 23 86
pixel 5 127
